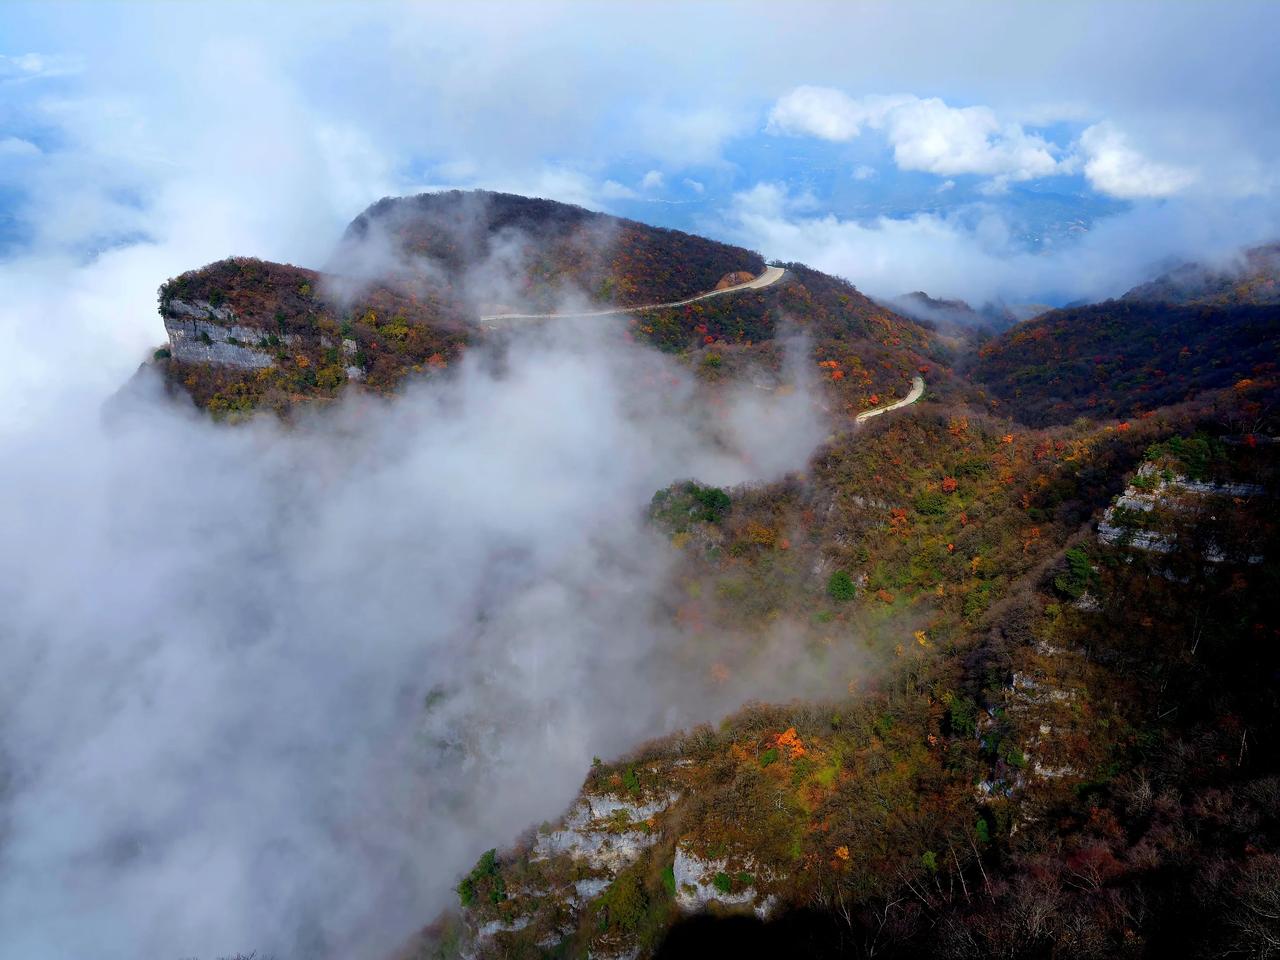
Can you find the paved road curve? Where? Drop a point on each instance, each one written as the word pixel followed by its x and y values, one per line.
pixel 770 276
pixel 917 391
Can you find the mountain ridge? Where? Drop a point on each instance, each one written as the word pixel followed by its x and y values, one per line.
pixel 401 298
pixel 1252 278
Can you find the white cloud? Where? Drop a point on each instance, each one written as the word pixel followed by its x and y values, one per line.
pixel 695 185
pixel 551 181
pixel 884 256
pixel 222 740
pixel 17 147
pixel 352 166
pixel 1057 111
pixel 764 201
pixel 34 66
pixel 995 187
pixel 926 134
pixel 688 136
pixel 865 172
pixel 929 135
pixel 611 190
pixel 830 114
pixel 1113 166
pixel 653 180
pixel 983 260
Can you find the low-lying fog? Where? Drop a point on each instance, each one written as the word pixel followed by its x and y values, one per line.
pixel 274 690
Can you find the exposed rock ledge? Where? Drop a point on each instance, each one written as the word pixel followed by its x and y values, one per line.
pixel 608 834
pixel 199 332
pixel 695 878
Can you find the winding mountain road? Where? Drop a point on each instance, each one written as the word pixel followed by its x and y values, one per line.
pixel 770 276
pixel 917 391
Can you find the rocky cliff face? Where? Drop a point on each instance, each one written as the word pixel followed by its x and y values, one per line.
pixel 579 881
pixel 244 334
pixel 1162 510
pixel 199 332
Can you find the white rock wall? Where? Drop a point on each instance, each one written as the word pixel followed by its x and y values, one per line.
pixel 589 833
pixel 695 884
pixel 190 323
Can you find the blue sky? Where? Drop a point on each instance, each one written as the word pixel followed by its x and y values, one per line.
pixel 1026 153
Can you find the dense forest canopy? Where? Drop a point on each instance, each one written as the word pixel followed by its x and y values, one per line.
pixel 1126 357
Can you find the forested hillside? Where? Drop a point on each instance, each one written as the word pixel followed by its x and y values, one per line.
pixel 1254 279
pixel 310 343
pixel 864 354
pixel 1067 752
pixel 1123 358
pixel 542 251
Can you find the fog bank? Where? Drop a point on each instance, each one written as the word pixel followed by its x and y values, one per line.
pixel 268 689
